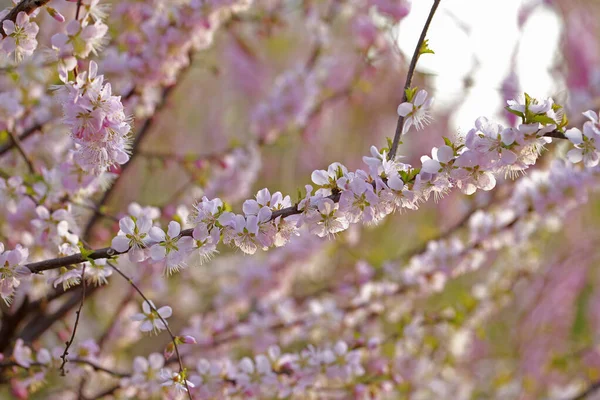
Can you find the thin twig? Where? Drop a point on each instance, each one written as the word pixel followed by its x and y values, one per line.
pixel 105 393
pixel 81 361
pixel 590 390
pixel 78 313
pixel 154 310
pixel 17 143
pixel 411 71
pixel 77 11
pixel 8 146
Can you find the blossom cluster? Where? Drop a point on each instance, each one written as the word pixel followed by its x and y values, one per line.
pixel 343 197
pixel 97 122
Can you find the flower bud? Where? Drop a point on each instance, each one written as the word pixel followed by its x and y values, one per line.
pixel 55 14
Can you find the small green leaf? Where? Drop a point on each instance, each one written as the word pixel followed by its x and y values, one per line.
pixel 85 253
pixel 564 122
pixel 515 112
pixel 410 93
pixel 542 119
pixel 425 48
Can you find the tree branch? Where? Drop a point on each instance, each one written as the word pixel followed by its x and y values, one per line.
pixel 21 150
pixel 139 291
pixel 411 71
pixel 78 314
pixel 590 390
pixel 10 144
pixel 81 361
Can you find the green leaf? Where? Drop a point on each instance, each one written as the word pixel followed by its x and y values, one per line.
pixel 85 253
pixel 564 122
pixel 515 112
pixel 410 93
pixel 528 101
pixel 425 49
pixel 448 142
pixel 542 119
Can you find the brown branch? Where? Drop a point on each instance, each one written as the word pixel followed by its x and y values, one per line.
pixel 27 6
pixel 8 146
pixel 411 71
pixel 38 326
pixel 10 323
pixel 78 9
pixel 139 291
pixel 78 314
pixel 21 150
pixel 109 252
pixel 105 393
pixel 81 361
pixel 590 390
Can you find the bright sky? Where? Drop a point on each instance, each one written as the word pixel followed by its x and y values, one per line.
pixel 469 32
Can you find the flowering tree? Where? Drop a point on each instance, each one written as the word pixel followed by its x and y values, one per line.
pixel 137 262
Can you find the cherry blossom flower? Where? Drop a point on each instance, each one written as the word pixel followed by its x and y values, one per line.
pixel 206 242
pixel 359 200
pixel 12 270
pixel 97 272
pixel 176 379
pixel 327 180
pixel 416 112
pixel 22 354
pixel 207 212
pixel 68 277
pixel 20 36
pixel 256 377
pixel 208 379
pixel 146 373
pixel 439 157
pixel 245 231
pixel 170 247
pixel 151 317
pixel 327 219
pixel 587 145
pixel 133 237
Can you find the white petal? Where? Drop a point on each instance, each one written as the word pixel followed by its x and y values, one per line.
pixel 508 157
pixel 320 177
pixel 574 135
pixel 157 234
pixel 445 154
pixel 144 224
pixel 120 243
pixel 404 109
pixel 146 326
pixel 575 155
pixel 158 252
pixel 146 306
pixel 431 166
pixel 127 225
pixel 165 311
pixel 174 229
